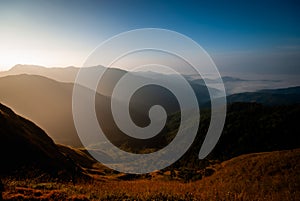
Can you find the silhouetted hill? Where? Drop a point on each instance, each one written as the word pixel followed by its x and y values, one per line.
pixel 231 79
pixel 253 128
pixel 249 128
pixel 26 150
pixel 48 103
pixel 283 96
pixel 44 101
pixel 289 90
pixel 67 74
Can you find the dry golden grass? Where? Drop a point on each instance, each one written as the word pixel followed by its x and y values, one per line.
pixel 264 176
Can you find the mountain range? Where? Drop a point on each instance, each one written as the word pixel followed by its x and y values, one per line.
pixel 249 128
pixel 67 74
pixel 257 154
pixel 48 102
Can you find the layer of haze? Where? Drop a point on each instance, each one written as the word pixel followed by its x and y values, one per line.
pixel 251 37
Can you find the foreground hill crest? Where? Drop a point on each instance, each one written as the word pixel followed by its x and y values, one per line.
pixel 26 147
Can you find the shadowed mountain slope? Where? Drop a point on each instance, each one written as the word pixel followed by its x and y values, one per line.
pixel 49 103
pixel 249 128
pixel 283 96
pixel 26 147
pixel 44 101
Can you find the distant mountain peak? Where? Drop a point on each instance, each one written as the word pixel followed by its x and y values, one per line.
pixel 22 66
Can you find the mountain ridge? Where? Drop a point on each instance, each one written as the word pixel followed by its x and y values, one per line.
pixel 281 96
pixel 24 147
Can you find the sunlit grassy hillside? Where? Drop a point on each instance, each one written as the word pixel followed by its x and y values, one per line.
pixel 262 176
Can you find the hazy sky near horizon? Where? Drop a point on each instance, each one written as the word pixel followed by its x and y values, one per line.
pixel 252 36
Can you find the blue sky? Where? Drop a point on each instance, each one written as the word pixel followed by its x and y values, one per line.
pixel 248 36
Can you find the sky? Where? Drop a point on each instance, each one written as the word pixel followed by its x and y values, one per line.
pixel 243 36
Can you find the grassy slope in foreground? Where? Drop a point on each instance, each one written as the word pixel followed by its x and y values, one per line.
pixel 262 176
